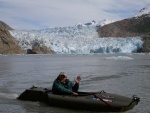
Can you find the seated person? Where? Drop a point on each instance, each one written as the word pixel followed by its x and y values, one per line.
pixel 62 85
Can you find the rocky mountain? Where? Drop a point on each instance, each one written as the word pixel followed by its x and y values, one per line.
pixel 135 26
pixel 8 45
pixel 138 25
pixel 39 49
pixel 126 28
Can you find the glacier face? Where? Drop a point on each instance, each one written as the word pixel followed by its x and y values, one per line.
pixel 79 39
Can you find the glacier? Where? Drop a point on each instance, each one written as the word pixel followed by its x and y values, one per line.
pixel 78 39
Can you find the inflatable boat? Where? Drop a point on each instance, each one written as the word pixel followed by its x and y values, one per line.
pixel 91 101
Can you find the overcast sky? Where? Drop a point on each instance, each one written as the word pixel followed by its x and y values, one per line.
pixel 40 14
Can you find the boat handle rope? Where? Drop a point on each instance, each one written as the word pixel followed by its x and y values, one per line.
pixel 102 91
pixel 103 101
pixel 136 98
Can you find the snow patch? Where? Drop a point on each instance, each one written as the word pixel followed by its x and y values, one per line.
pixel 143 11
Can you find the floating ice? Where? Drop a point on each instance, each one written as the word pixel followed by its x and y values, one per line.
pixel 119 58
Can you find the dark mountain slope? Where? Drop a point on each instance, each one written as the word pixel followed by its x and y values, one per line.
pixel 8 44
pixel 132 27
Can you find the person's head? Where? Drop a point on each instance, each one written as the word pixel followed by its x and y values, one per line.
pixel 62 77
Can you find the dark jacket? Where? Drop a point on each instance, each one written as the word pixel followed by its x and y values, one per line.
pixel 64 88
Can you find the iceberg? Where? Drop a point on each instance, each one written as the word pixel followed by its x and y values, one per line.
pixel 119 58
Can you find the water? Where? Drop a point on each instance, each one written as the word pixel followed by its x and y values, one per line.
pixel 124 74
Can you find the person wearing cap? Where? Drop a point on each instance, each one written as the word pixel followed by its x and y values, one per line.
pixel 62 85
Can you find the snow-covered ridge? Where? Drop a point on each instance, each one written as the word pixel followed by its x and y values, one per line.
pixel 94 23
pixel 143 11
pixel 79 39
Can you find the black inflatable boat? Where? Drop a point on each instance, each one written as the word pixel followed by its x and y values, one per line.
pixel 91 101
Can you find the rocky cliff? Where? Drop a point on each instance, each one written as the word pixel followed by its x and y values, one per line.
pixel 136 26
pixel 8 45
pixel 38 49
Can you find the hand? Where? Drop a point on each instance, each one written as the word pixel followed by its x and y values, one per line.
pixel 74 93
pixel 78 79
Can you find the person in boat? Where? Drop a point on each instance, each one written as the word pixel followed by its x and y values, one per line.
pixel 62 85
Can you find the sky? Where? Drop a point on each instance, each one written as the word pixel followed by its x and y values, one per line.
pixel 42 14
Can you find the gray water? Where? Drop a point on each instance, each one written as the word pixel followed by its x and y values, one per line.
pixel 124 74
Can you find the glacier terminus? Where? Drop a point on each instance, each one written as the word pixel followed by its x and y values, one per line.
pixel 78 39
